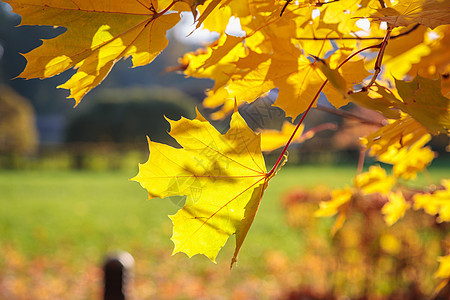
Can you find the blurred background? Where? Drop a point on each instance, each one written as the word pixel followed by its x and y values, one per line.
pixel 66 201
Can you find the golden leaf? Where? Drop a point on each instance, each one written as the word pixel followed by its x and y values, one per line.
pixel 222 176
pixel 437 203
pixel 395 208
pixel 430 13
pixel 374 181
pixel 339 203
pixel 423 100
pixel 407 161
pixel 99 33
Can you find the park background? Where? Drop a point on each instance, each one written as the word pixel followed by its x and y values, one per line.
pixel 66 201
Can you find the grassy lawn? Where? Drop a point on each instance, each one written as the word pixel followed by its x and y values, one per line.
pixel 75 218
pixel 51 212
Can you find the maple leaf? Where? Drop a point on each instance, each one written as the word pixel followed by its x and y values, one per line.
pixel 430 13
pixel 443 273
pixel 99 33
pixel 395 208
pixel 444 268
pixel 407 161
pixel 345 13
pixel 339 204
pixel 257 73
pixel 437 203
pixel 374 181
pixel 436 61
pixel 423 100
pixel 222 176
pixel 400 133
pixel 272 139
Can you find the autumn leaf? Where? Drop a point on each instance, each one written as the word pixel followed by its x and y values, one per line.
pixel 407 161
pixel 338 204
pixel 442 273
pixel 423 100
pixel 272 139
pixel 99 33
pixel 222 176
pixel 436 61
pixel 258 73
pixel 430 13
pixel 374 181
pixel 395 208
pixel 444 268
pixel 400 133
pixel 437 203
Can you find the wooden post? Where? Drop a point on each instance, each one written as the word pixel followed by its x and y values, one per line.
pixel 118 275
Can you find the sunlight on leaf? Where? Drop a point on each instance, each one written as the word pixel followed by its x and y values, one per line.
pixel 99 34
pixel 222 176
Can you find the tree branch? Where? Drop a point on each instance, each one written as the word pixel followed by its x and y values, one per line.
pixel 379 60
pixel 359 38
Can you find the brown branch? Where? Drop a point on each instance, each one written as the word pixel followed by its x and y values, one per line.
pixel 359 38
pixel 317 4
pixel 284 7
pixel 349 115
pixel 379 60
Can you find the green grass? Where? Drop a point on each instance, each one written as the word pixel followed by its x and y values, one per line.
pixel 86 214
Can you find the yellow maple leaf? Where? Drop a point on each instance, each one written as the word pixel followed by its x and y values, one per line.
pixel 287 68
pixel 435 62
pixel 99 33
pixel 338 199
pixel 444 268
pixel 345 13
pixel 401 53
pixel 212 16
pixel 272 139
pixel 374 181
pixel 339 204
pixel 400 133
pixel 430 13
pixel 222 176
pixel 395 208
pixel 443 273
pixel 423 100
pixel 437 203
pixel 407 161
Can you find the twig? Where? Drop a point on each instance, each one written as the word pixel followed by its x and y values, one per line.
pixel 359 38
pixel 377 68
pixel 349 115
pixel 317 4
pixel 284 7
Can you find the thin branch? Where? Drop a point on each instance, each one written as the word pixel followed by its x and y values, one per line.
pixel 359 38
pixel 275 166
pixel 379 60
pixel 349 115
pixel 317 4
pixel 361 158
pixel 284 7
